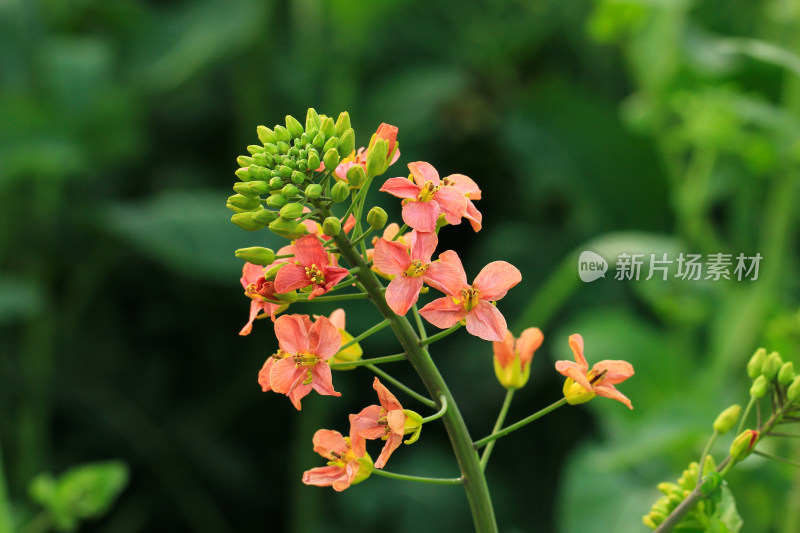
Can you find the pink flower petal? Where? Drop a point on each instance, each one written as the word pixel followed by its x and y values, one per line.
pixel 424 172
pixel 285 375
pixel 504 350
pixel 264 374
pixel 322 381
pixel 308 251
pixel 613 371
pixel 401 188
pixel 324 339
pixel 298 391
pixel 250 274
pixel 443 313
pixel 608 391
pixel 388 132
pixel 444 277
pixel 292 333
pixel 326 476
pixel 255 307
pixel 328 442
pixel 291 277
pixel 495 279
pixel 333 275
pixel 423 245
pixel 452 203
pixel 396 419
pixel 574 371
pixel 474 216
pixel 486 321
pixel 529 341
pixel 387 399
pixel 366 424
pixel 402 293
pixel 391 445
pixel 466 185
pixel 421 216
pixel 337 318
pixel 451 258
pixel 391 257
pixel 576 345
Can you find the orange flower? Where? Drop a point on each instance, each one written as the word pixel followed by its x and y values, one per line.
pixel 583 384
pixel 512 357
pixel 348 461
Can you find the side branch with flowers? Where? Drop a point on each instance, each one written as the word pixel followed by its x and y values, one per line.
pixel 293 183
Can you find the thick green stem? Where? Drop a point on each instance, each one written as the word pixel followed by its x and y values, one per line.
pixel 474 481
pixel 515 426
pixel 501 417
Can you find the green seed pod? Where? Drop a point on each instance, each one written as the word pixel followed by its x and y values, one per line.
pixel 793 391
pixel 256 149
pixel 376 158
pixel 276 183
pixel 283 148
pixel 727 419
pixel 743 444
pixel 327 128
pixel 342 124
pixel 786 374
pixel 264 216
pixel 298 177
pixel 377 218
pixel 331 226
pixel 313 191
pixel 266 135
pixel 356 176
pixel 245 221
pixel 340 191
pixel 772 365
pixel 291 211
pixel 258 255
pixel 276 201
pixel 313 160
pixel 289 190
pixel 756 363
pixel 331 159
pixel 244 202
pixel 282 134
pixel 244 161
pixel 284 171
pixel 243 174
pixel 759 387
pixel 347 143
pixel 294 127
pixel 271 149
pixel 312 119
pixel 332 143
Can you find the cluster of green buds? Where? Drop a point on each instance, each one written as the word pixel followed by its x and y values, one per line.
pixel 280 174
pixel 769 373
pixel 673 494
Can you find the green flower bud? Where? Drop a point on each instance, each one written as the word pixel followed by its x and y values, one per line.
pixel 319 141
pixel 342 124
pixel 294 126
pixel 288 297
pixel 282 134
pixel 356 176
pixel 283 148
pixel 236 209
pixel 340 191
pixel 251 188
pixel 271 149
pixel 244 202
pixel 302 165
pixel 291 229
pixel 743 444
pixel 327 128
pixel 291 211
pixel 276 201
pixel 727 419
pixel 347 143
pixel 786 374
pixel 332 143
pixel 772 365
pixel 331 226
pixel 245 221
pixel 313 160
pixel 244 161
pixel 254 149
pixel 270 274
pixel 412 426
pixel 759 387
pixel 266 135
pixel 711 483
pixel 261 160
pixel 276 183
pixel 314 191
pixel 284 171
pixel 376 158
pixel 756 363
pixel 331 159
pixel 312 119
pixel 243 174
pixel 377 218
pixel 289 190
pixel 259 173
pixel 294 153
pixel 264 216
pixel 257 255
pixel 793 392
pixel 298 177
pixel 649 522
pixel 668 488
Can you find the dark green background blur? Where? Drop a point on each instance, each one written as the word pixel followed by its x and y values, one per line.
pixel 640 125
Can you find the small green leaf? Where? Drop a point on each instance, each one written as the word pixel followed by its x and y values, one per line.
pixel 726 518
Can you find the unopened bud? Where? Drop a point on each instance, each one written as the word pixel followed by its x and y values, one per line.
pixel 291 211
pixel 331 159
pixel 251 188
pixel 319 141
pixel 244 161
pixel 356 176
pixel 244 202
pixel 412 426
pixel 262 160
pixel 298 177
pixel 271 149
pixel 377 218
pixel 245 221
pixel 264 216
pixel 333 142
pixel 772 365
pixel 259 173
pixel 294 126
pixel 282 134
pixel 759 387
pixel 276 201
pixel 313 191
pixel 786 374
pixel 340 191
pixel 288 228
pixel 331 226
pixel 243 174
pixel 376 158
pixel 756 363
pixel 793 391
pixel 711 483
pixel 313 160
pixel 312 119
pixel 289 190
pixel 266 135
pixel 327 128
pixel 254 149
pixel 283 147
pixel 276 183
pixel 727 419
pixel 270 274
pixel 257 255
pixel 743 444
pixel 347 143
pixel 342 124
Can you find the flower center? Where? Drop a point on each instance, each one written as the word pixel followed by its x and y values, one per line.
pixel 427 192
pixel 416 269
pixel 470 298
pixel 315 275
pixel 593 377
pixel 304 359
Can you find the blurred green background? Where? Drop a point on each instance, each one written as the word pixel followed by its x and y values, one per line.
pixel 615 126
